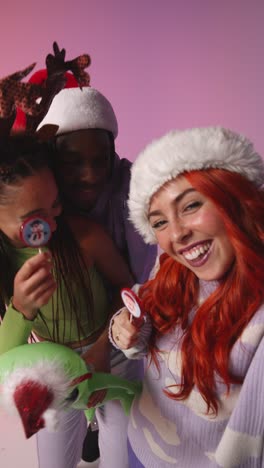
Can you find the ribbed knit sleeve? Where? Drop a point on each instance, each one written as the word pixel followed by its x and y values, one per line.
pixel 141 348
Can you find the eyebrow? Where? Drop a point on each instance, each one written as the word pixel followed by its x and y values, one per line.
pixel 37 210
pixel 177 200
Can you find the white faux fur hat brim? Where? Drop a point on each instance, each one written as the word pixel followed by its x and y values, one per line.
pixel 180 151
pixel 74 109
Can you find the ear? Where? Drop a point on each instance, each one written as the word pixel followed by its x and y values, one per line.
pixel 47 132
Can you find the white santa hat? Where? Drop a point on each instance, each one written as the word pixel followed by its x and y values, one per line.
pixel 79 109
pixel 180 151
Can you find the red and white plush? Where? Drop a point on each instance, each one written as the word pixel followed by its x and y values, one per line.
pixel 39 78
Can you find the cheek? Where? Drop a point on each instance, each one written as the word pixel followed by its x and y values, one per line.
pixel 13 233
pixel 208 222
pixel 101 172
pixel 163 239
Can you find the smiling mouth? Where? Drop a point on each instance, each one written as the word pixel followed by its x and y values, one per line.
pixel 85 189
pixel 198 254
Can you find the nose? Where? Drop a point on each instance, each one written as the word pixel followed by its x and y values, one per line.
pixel 179 231
pixel 90 176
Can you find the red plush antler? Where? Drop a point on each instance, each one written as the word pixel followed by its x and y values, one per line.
pixel 16 94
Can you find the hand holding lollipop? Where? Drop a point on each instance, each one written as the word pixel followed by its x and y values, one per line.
pixel 35 232
pixel 133 304
pixel 34 284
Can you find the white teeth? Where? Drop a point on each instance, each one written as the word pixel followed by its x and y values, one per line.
pixel 196 251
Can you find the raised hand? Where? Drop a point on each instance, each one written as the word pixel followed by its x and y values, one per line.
pixel 124 332
pixel 34 285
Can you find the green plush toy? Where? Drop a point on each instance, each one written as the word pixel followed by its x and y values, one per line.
pixel 42 379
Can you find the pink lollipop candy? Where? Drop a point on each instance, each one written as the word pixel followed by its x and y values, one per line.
pixel 133 304
pixel 35 232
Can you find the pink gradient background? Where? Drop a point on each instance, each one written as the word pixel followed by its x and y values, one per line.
pixel 162 63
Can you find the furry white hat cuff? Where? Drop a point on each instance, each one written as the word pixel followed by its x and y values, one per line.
pixel 180 151
pixel 75 109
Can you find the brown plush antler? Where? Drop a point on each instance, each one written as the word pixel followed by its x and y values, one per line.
pixel 11 94
pixel 14 93
pixel 56 64
pixel 56 69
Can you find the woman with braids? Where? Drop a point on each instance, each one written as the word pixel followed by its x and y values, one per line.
pixel 199 194
pixel 58 294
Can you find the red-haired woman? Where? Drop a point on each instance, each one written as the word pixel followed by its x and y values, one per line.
pixel 198 194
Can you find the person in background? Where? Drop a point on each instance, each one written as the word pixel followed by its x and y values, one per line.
pixel 59 293
pixel 94 183
pixel 93 179
pixel 199 194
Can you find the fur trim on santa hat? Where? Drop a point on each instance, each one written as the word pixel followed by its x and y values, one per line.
pixel 180 151
pixel 75 109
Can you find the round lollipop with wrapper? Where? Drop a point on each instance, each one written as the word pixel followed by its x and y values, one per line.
pixel 133 304
pixel 35 232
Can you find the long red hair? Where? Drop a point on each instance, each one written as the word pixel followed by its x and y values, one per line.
pixel 220 320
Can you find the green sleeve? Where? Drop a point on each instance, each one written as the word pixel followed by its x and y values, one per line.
pixel 14 330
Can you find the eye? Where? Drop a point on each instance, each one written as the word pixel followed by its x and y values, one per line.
pixel 69 157
pixel 159 224
pixel 192 206
pixel 72 396
pixel 100 162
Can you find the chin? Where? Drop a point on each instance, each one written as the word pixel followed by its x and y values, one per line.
pixel 210 276
pixel 82 200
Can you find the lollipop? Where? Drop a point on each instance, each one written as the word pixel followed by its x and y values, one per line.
pixel 35 232
pixel 133 304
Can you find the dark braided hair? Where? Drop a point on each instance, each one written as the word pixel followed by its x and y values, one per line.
pixel 22 156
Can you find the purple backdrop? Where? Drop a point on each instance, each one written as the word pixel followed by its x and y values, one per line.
pixel 162 63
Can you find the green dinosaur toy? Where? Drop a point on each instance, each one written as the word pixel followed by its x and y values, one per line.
pixel 42 379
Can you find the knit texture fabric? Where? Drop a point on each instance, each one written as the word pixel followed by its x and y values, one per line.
pixel 166 433
pixel 182 151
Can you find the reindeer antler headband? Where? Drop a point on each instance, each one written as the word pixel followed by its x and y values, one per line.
pixel 16 94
